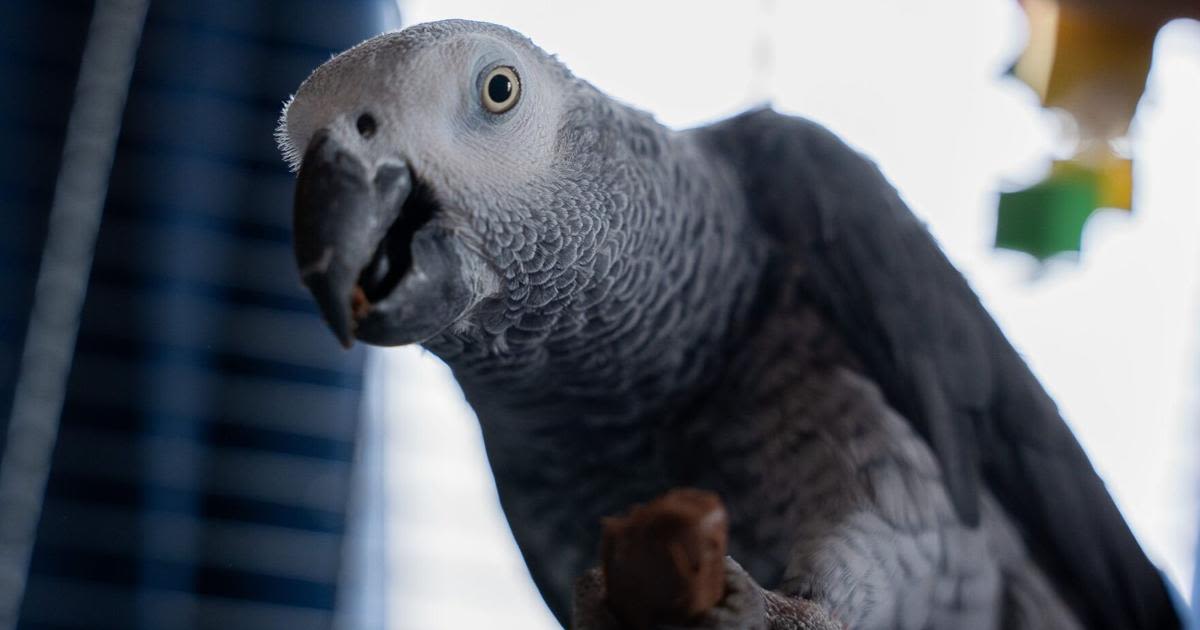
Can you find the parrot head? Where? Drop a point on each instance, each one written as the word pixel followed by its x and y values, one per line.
pixel 420 157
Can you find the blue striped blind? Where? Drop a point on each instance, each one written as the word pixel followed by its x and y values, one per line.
pixel 203 462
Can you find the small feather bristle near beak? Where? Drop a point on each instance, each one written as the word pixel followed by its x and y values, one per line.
pixel 283 138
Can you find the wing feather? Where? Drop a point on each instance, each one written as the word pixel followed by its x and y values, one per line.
pixel 942 362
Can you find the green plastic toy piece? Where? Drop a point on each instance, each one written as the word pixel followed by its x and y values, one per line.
pixel 1048 218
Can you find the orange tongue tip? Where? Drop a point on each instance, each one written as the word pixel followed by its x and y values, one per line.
pixel 359 304
pixel 360 307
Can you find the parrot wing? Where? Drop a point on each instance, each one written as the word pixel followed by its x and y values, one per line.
pixel 922 335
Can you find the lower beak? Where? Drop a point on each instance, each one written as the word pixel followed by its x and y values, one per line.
pixel 341 215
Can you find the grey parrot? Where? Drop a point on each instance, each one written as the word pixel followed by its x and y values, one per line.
pixel 747 308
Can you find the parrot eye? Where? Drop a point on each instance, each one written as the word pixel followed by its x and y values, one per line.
pixel 501 90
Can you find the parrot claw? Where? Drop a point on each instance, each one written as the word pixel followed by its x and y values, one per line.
pixel 742 607
pixel 748 606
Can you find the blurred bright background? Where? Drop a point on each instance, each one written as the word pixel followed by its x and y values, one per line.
pixel 919 87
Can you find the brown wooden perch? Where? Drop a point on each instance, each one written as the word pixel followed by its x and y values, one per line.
pixel 663 562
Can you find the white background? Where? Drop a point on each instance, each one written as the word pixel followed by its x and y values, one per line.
pixel 917 86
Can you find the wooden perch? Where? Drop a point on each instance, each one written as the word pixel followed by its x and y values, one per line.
pixel 663 562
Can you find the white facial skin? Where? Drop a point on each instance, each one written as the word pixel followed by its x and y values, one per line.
pixel 426 95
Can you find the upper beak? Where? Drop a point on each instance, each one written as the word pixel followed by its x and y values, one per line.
pixel 343 210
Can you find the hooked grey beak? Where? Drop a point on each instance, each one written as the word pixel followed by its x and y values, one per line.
pixel 341 215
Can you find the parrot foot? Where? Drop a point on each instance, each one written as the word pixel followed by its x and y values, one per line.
pixel 748 606
pixel 664 567
pixel 744 606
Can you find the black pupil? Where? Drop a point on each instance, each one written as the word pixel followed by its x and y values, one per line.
pixel 499 88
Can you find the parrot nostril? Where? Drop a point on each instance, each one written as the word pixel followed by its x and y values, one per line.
pixel 366 125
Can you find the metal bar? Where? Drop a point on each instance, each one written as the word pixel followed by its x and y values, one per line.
pixel 78 203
